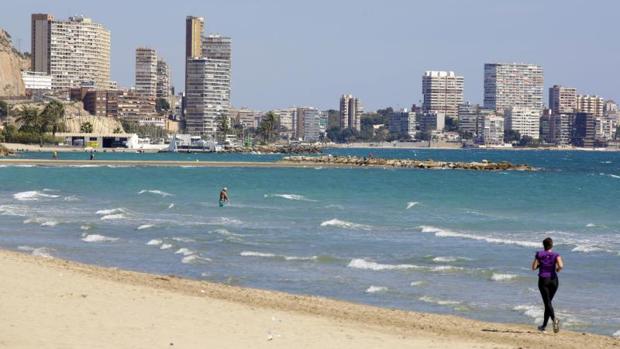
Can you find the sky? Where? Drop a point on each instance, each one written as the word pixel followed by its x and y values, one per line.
pixel 309 53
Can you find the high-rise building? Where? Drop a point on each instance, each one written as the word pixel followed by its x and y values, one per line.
pixel 526 121
pixel 557 128
pixel 350 112
pixel 443 92
pixel 312 120
pixel 41 28
pixel 471 118
pixel 509 85
pixel 583 132
pixel 590 104
pixel 207 95
pixel 194 27
pixel 217 47
pixel 286 117
pixel 146 72
pixel 164 87
pixel 492 132
pixel 74 52
pixel 562 99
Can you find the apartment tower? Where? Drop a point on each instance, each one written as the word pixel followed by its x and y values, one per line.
pixel 146 72
pixel 443 92
pixel 509 85
pixel 562 99
pixel 73 52
pixel 350 112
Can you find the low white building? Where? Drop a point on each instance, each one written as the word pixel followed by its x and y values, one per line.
pixel 36 81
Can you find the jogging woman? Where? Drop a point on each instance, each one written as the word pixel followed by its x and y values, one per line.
pixel 548 264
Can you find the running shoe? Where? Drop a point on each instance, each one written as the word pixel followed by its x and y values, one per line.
pixel 556 325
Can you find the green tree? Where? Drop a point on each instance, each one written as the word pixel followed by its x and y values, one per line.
pixel 4 108
pixel 86 127
pixel 268 126
pixel 52 116
pixel 162 105
pixel 511 136
pixel 223 126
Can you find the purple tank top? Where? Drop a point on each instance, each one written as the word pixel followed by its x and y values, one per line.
pixel 546 260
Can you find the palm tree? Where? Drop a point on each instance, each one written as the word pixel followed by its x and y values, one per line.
pixel 223 126
pixel 31 121
pixel 52 115
pixel 268 126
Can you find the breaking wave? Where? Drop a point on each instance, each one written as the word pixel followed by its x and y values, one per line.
pixel 110 211
pixel 376 289
pixel 44 222
pixel 155 242
pixel 185 251
pixel 366 265
pixel 113 217
pixel 450 259
pixel 294 197
pixel 155 192
pixel 452 234
pixel 165 246
pixel 40 252
pixel 503 277
pixel 98 238
pixel 145 226
pixel 271 255
pixel 412 204
pixel 194 259
pixel 345 225
pixel 33 196
pixel 13 210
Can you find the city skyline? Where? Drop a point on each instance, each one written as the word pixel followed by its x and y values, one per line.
pixel 276 68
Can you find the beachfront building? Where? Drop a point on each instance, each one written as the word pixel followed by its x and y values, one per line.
pixel 72 52
pixel 431 121
pixel 526 121
pixel 605 129
pixel 556 129
pixel 471 118
pixel 207 95
pixel 285 118
pixel 443 92
pixel 194 28
pixel 562 99
pixel 590 104
pixel 314 124
pixel 492 132
pixel 403 123
pixel 146 72
pixel 509 85
pixel 583 130
pixel 245 117
pixel 350 112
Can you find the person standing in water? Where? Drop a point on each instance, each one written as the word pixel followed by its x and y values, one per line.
pixel 548 264
pixel 223 197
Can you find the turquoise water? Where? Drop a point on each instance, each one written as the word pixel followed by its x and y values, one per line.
pixel 451 242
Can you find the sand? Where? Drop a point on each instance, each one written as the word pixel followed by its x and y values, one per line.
pixel 50 303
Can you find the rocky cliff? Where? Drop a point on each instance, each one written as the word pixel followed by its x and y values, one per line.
pixel 12 62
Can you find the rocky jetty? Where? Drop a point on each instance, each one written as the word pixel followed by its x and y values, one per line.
pixel 277 149
pixel 483 165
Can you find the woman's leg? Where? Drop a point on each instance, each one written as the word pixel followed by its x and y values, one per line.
pixel 545 294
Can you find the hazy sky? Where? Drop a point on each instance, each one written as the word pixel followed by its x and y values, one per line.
pixel 288 52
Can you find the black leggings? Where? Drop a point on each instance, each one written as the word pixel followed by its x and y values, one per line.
pixel 548 287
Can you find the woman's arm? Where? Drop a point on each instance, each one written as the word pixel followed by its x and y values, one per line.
pixel 559 264
pixel 535 264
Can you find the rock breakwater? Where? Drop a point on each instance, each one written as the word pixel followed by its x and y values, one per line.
pixel 483 165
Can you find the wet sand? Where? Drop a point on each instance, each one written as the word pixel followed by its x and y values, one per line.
pixel 51 303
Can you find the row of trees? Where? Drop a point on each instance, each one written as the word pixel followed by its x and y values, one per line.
pixel 35 124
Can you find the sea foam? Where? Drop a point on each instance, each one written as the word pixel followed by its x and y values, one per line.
pixel 367 265
pixel 412 204
pixel 98 238
pixel 42 252
pixel 345 225
pixel 194 259
pixel 433 300
pixel 376 289
pixel 155 192
pixel 113 217
pixel 33 196
pixel 155 242
pixel 185 251
pixel 13 210
pixel 145 226
pixel 293 197
pixel 503 277
pixel 451 234
pixel 110 211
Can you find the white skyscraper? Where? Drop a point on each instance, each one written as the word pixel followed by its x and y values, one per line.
pixel 77 51
pixel 443 92
pixel 350 112
pixel 513 85
pixel 146 72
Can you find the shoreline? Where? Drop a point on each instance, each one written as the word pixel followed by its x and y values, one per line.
pixel 54 302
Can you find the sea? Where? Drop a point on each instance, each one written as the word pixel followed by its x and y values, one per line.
pixel 441 241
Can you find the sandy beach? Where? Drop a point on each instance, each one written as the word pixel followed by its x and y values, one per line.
pixel 51 303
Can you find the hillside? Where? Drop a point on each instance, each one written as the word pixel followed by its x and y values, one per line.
pixel 11 64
